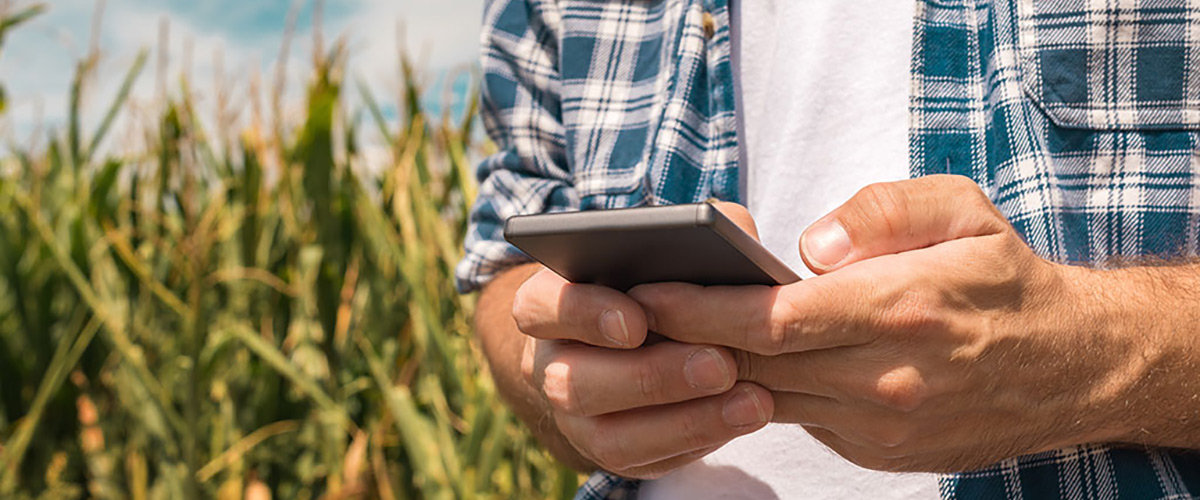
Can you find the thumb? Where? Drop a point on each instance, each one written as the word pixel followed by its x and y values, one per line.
pixel 896 217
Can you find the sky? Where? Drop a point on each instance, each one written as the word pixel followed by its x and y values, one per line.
pixel 38 59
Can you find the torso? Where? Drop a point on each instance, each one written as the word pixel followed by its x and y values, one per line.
pixel 1079 119
pixel 823 112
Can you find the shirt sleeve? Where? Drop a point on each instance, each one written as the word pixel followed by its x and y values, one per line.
pixel 521 109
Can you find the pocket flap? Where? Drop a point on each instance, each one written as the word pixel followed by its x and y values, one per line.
pixel 1114 64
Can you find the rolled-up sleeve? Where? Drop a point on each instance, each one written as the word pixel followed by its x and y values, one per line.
pixel 521 108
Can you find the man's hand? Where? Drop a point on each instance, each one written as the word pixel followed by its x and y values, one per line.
pixel 572 361
pixel 636 411
pixel 934 339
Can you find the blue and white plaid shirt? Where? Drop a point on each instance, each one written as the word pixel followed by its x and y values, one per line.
pixel 1080 118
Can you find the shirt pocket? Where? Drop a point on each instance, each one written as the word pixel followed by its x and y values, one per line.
pixel 1113 64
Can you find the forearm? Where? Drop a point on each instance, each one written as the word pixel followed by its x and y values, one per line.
pixel 502 345
pixel 1154 398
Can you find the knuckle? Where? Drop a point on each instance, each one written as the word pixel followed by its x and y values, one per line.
pixel 975 200
pixel 650 380
pixel 960 183
pixel 772 336
pixel 989 217
pixel 608 449
pixel 522 310
pixel 747 365
pixel 902 389
pixel 772 341
pixel 558 387
pixel 913 310
pixel 693 432
pixel 967 188
pixel 884 202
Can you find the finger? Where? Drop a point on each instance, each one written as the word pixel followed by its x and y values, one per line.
pixel 547 306
pixel 738 215
pixel 819 374
pixel 936 452
pixel 895 217
pixel 882 440
pixel 828 311
pixel 849 422
pixel 588 381
pixel 659 469
pixel 625 440
pixel 859 374
pixel 862 456
pixel 806 409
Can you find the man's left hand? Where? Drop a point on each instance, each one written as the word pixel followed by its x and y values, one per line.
pixel 932 339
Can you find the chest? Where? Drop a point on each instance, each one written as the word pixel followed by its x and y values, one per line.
pixel 1078 117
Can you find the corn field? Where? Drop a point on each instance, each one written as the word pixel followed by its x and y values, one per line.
pixel 241 310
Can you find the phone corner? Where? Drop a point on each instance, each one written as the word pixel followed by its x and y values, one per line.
pixel 508 229
pixel 707 214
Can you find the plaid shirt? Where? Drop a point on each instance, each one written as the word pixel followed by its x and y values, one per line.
pixel 1078 117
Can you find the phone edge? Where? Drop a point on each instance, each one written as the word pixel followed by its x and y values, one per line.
pixel 751 248
pixel 603 220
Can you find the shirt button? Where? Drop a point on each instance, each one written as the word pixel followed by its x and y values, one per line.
pixel 709 24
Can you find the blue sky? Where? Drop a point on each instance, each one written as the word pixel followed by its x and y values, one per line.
pixel 38 59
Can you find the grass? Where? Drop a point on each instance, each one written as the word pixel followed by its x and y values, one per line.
pixel 223 313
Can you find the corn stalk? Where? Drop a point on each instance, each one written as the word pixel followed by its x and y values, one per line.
pixel 188 315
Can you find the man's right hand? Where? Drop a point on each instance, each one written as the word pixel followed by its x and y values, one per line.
pixel 636 410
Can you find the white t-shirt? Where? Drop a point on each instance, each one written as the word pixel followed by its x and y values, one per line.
pixel 824 88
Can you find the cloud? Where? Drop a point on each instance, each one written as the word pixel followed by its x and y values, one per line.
pixel 441 33
pixel 39 59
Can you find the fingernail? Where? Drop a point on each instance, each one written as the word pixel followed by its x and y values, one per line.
pixel 744 410
pixel 825 244
pixel 612 325
pixel 705 369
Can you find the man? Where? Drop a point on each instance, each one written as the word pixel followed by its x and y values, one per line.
pixel 1025 325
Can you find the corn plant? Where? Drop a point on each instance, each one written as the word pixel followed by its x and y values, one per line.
pixel 197 317
pixel 7 23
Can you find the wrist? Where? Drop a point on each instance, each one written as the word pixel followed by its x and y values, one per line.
pixel 1136 326
pixel 503 346
pixel 1089 318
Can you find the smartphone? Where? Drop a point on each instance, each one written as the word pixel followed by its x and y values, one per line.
pixel 627 247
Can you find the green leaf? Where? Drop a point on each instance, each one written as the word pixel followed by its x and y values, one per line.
pixel 376 112
pixel 216 268
pixel 66 357
pixel 74 110
pixel 102 188
pixel 415 429
pixel 275 359
pixel 10 22
pixel 118 101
